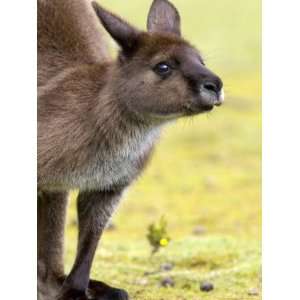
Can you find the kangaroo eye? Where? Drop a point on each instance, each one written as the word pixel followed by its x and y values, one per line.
pixel 163 69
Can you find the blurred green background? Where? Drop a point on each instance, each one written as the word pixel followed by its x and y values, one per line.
pixel 205 176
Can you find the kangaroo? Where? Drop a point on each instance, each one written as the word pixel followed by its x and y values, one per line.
pixel 99 119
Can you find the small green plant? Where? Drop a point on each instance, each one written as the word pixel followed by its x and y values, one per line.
pixel 158 235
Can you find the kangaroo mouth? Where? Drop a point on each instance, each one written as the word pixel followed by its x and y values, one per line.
pixel 205 101
pixel 209 98
pixel 197 107
pixel 191 110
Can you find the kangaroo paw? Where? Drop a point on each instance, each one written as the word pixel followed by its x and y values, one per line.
pixel 72 294
pixel 100 291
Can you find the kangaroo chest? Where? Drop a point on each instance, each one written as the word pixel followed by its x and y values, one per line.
pixel 115 167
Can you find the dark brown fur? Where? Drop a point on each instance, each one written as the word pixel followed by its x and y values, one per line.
pixel 98 121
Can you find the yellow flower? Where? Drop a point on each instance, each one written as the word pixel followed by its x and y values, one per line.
pixel 163 242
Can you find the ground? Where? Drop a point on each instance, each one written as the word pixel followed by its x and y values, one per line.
pixel 205 174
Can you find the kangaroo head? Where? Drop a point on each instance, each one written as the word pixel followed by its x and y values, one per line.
pixel 159 75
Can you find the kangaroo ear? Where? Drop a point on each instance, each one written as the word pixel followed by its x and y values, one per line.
pixel 122 32
pixel 163 17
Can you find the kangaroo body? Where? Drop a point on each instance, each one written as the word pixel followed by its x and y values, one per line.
pixel 76 148
pixel 98 120
pixel 69 35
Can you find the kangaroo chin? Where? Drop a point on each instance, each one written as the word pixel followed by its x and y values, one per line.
pixel 99 120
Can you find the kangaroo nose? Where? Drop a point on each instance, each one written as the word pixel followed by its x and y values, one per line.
pixel 212 91
pixel 213 86
pixel 210 86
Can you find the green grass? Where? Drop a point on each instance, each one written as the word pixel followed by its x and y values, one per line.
pixel 205 171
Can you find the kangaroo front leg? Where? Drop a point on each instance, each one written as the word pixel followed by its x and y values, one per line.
pixel 51 222
pixel 94 210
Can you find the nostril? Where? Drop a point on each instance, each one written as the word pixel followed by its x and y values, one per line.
pixel 210 86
